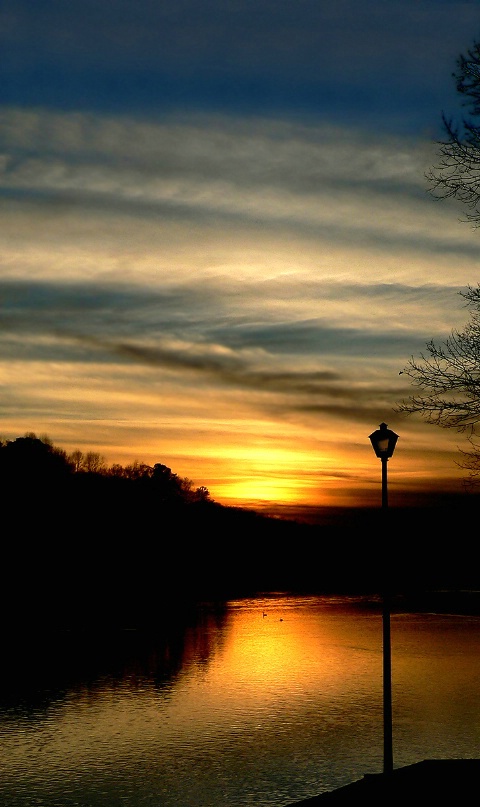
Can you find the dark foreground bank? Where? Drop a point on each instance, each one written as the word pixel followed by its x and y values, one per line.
pixel 433 781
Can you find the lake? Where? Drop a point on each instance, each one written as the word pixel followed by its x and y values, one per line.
pixel 256 702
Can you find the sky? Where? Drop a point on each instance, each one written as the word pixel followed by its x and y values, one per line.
pixel 218 246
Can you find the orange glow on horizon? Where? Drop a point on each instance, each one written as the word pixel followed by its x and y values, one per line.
pixel 252 345
pixel 301 468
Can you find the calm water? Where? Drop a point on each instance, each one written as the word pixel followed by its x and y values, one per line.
pixel 259 703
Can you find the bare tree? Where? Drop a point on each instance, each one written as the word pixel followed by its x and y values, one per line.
pixel 76 458
pixel 447 378
pixel 94 462
pixel 457 174
pixel 136 470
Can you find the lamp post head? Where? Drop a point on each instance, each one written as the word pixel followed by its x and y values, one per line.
pixel 383 441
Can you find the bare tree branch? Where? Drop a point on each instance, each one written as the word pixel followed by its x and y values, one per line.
pixel 457 173
pixel 447 378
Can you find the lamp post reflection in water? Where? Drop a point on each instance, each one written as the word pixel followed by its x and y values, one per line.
pixel 384 441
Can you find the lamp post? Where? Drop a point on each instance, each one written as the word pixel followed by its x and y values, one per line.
pixel 383 442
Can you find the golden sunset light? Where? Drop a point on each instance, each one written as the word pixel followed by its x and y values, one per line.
pixel 240 402
pixel 232 295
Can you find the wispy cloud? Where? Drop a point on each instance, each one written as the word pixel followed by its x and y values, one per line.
pixel 218 248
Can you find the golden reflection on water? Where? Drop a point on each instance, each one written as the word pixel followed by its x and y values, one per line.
pixel 283 648
pixel 272 657
pixel 269 657
pixel 272 683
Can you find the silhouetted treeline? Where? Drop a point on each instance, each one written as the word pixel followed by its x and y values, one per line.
pixel 87 544
pixel 34 465
pixel 115 544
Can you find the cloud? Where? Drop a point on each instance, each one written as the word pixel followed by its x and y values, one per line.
pixel 229 285
pixel 314 181
pixel 132 326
